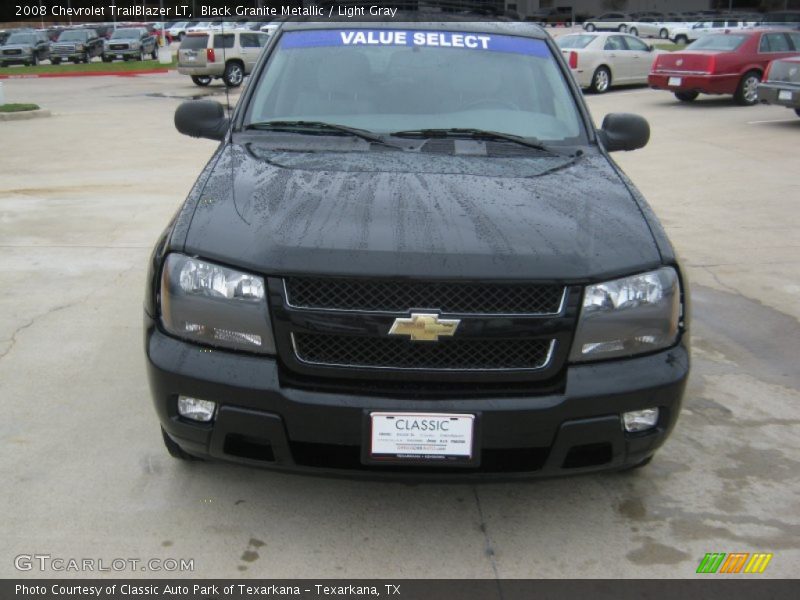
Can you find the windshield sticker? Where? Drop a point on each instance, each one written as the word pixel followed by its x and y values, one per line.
pixel 410 38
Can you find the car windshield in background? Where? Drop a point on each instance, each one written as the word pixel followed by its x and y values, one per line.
pixel 126 34
pixel 569 42
pixel 21 38
pixel 722 42
pixel 194 42
pixel 401 80
pixel 72 36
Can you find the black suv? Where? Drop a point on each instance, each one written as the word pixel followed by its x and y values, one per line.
pixel 391 266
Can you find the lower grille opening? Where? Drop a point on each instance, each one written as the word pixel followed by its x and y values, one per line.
pixel 588 455
pixel 333 456
pixel 248 447
pixel 451 354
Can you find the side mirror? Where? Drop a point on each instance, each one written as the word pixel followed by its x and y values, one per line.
pixel 202 118
pixel 624 131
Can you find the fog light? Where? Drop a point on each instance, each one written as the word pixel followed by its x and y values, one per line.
pixel 195 409
pixel 640 420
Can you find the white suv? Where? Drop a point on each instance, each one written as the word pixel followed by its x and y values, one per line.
pixel 231 55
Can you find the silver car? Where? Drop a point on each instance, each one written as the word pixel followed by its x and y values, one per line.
pixel 600 60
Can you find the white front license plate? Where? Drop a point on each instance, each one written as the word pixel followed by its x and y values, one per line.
pixel 421 436
pixel 785 95
pixel 675 81
pixel 120 56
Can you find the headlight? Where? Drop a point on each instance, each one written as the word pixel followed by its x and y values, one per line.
pixel 78 46
pixel 628 316
pixel 214 305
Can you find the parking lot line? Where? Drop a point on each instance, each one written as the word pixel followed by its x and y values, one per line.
pixel 772 121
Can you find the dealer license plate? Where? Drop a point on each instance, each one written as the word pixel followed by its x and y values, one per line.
pixel 675 81
pixel 120 56
pixel 426 437
pixel 785 95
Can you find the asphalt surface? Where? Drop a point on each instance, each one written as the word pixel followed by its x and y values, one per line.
pixel 85 193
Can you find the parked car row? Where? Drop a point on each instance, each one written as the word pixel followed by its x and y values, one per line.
pixel 734 63
pixel 684 29
pixel 81 44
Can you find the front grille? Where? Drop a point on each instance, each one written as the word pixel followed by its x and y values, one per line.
pixel 401 296
pixel 12 52
pixel 63 49
pixel 118 46
pixel 458 355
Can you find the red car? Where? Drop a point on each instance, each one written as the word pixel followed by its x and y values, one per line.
pixel 723 63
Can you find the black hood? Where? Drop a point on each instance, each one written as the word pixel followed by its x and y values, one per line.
pixel 422 215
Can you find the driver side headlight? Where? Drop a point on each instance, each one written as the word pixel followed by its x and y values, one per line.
pixel 211 304
pixel 629 316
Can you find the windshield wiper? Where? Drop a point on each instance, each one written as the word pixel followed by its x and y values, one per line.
pixel 320 126
pixel 473 134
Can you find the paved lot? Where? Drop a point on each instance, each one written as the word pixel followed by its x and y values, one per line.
pixel 84 194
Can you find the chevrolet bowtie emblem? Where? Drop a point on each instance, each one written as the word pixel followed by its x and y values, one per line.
pixel 424 327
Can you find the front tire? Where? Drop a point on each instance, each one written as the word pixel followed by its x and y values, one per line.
pixel 55 61
pixel 747 92
pixel 35 60
pixel 797 111
pixel 141 55
pixel 590 28
pixel 234 74
pixel 634 32
pixel 601 80
pixel 687 96
pixel 663 34
pixel 175 451
pixel 107 59
pixel 681 39
pixel 201 80
pixel 154 53
pixel 623 28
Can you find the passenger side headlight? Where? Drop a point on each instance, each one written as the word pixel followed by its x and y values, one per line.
pixel 628 316
pixel 211 304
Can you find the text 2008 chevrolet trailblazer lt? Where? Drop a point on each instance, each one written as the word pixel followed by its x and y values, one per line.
pixel 412 254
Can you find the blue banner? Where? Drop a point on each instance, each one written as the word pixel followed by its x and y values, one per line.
pixel 415 38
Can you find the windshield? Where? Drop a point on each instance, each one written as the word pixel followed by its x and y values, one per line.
pixel 20 38
pixel 399 80
pixel 126 34
pixel 725 42
pixel 574 41
pixel 72 36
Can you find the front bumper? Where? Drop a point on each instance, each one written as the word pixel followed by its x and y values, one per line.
pixel 16 59
pixel 260 422
pixel 783 94
pixel 705 84
pixel 130 53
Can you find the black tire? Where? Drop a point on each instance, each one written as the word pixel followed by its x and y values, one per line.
pixel 623 28
pixel 687 96
pixel 664 34
pixel 154 53
pixel 746 92
pixel 141 55
pixel 107 59
pixel 201 80
pixel 601 80
pixel 86 58
pixel 634 32
pixel 55 61
pixel 681 39
pixel 175 451
pixel 35 59
pixel 797 111
pixel 590 27
pixel 234 74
